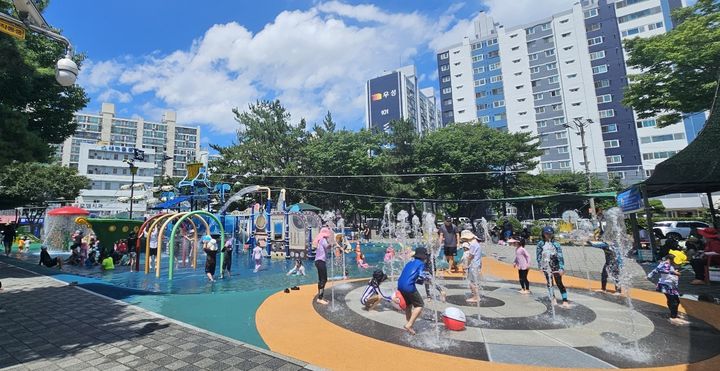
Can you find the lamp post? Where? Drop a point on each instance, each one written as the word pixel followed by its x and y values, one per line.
pixel 133 171
pixel 579 125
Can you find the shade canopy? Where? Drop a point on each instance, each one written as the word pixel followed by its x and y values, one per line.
pixel 301 206
pixel 68 210
pixel 695 169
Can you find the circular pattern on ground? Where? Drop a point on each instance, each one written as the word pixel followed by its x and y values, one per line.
pixel 598 331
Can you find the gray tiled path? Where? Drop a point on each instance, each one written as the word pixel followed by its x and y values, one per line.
pixel 48 325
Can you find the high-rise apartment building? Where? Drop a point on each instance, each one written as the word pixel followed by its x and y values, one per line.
pixel 166 138
pixel 102 141
pixel 567 66
pixel 397 96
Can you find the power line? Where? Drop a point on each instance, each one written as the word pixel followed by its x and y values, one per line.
pixel 409 199
pixel 234 176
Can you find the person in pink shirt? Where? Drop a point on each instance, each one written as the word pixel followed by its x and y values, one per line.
pixel 522 263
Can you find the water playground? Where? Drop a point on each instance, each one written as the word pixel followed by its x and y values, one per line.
pixel 509 329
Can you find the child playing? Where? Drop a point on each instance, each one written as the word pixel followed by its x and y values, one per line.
pixel 360 258
pixel 389 255
pixel 550 259
pixel 297 269
pixel 431 273
pixel 227 258
pixel 373 295
pixel 668 285
pixel 413 273
pixel 211 250
pixel 257 254
pixel 522 263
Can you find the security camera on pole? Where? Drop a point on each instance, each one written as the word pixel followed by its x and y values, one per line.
pixel 66 71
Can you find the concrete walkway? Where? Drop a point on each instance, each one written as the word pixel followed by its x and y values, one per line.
pixel 46 324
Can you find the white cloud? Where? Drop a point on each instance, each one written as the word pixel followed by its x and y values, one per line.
pixel 313 61
pixel 112 95
pixel 519 12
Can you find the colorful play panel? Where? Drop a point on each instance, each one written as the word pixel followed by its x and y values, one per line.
pixel 514 329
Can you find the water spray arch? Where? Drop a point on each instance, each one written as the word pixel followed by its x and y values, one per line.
pixel 198 213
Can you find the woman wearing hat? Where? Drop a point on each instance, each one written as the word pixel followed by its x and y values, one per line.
pixel 550 260
pixel 708 257
pixel 322 241
pixel 474 263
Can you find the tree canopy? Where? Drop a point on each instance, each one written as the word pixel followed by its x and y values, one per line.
pixel 680 69
pixel 35 183
pixel 356 172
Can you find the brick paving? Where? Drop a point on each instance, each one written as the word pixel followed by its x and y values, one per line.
pixel 49 325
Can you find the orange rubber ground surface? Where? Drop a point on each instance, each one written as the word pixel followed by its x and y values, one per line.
pixel 289 324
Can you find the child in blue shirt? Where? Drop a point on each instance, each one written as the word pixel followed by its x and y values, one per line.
pixel 413 273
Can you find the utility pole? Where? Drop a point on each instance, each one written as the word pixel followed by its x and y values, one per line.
pixel 580 125
pixel 133 171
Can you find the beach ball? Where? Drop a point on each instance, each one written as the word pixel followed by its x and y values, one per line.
pixel 399 301
pixel 454 319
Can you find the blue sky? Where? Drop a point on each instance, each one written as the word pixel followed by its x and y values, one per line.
pixel 202 58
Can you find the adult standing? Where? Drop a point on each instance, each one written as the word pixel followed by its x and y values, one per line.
pixel 550 260
pixel 8 237
pixel 321 251
pixel 449 236
pixel 474 262
pixel 712 247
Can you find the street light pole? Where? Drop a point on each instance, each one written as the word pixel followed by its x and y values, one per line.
pixel 133 171
pixel 580 125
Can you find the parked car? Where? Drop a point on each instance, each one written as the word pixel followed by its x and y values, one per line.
pixel 678 230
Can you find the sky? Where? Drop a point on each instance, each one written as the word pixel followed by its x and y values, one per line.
pixel 204 58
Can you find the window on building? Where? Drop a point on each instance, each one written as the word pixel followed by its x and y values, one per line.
pixel 477 58
pixel 597 55
pixel 613 143
pixel 498 103
pixel 535 70
pixel 499 117
pixel 444 67
pixel 497 78
pixel 632 31
pixel 567 47
pixel 640 14
pixel 531 44
pixel 542 123
pixel 593 27
pixel 539 109
pixel 516 60
pixel 564 164
pixel 515 48
pixel 493 54
pixel 447 102
pixel 595 40
pixel 591 13
pixel 544 26
pixel 576 104
pixel 518 73
pixel 530 31
pixel 614 159
pixel 653 26
pixel 648 123
pixel 476 46
pixel 519 86
pixel 605 113
pixel 624 3
pixel 494 66
pixel 605 98
pixel 480 82
pixel 538 96
pixel 551 66
pixel 445 79
pixel 480 94
pixel 548 39
pixel 563 149
pixel 523 113
pixel 484 119
pixel 599 84
pixel 609 128
pixel 564 20
pixel 513 36
pixel 549 52
pixel 447 90
pixel 566 34
pixel 533 57
pixel 572 75
pixel 547 166
pixel 557 107
pixel 445 55
pixel 480 69
pixel 553 80
pixel 497 91
pixel 600 69
pixel 481 106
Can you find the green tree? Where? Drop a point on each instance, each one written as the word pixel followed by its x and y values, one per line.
pixel 680 69
pixel 35 110
pixel 34 184
pixel 267 144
